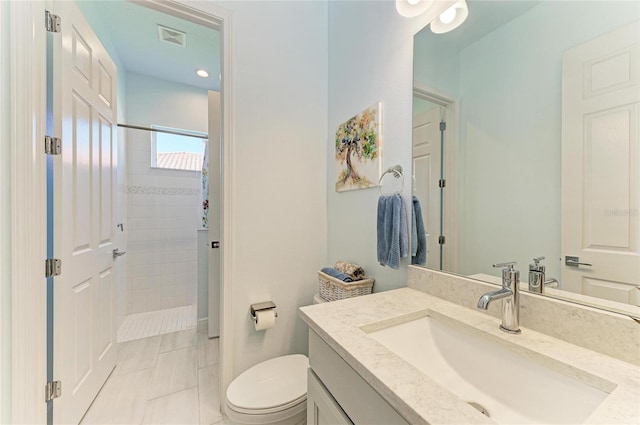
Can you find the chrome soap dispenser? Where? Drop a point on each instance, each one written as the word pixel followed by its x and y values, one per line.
pixel 536 276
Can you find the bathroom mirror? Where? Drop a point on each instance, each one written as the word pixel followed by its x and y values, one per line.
pixel 526 144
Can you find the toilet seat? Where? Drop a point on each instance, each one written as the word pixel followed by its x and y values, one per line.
pixel 274 409
pixel 294 415
pixel 269 392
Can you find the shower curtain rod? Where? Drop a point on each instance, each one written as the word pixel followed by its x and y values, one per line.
pixel 160 130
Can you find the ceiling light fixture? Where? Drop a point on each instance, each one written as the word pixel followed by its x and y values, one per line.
pixel 411 8
pixel 451 18
pixel 202 73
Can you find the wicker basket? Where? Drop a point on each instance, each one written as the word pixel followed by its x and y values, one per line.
pixel 332 289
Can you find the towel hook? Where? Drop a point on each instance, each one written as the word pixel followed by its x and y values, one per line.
pixel 396 170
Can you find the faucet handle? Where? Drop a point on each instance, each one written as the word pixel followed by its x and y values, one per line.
pixel 537 267
pixel 510 276
pixel 509 265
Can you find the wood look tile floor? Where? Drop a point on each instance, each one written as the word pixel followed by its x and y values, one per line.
pixel 163 379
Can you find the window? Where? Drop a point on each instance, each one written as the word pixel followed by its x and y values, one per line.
pixel 177 151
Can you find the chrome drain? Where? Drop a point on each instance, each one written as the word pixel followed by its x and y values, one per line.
pixel 479 408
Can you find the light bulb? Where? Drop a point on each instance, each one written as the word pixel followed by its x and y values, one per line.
pixel 202 73
pixel 451 18
pixel 448 15
pixel 411 8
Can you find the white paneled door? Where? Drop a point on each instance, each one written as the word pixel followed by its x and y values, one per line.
pixel 426 175
pixel 84 93
pixel 601 166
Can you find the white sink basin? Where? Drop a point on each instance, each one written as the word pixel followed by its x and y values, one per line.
pixel 511 388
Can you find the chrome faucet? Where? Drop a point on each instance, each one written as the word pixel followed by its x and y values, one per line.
pixel 537 280
pixel 536 276
pixel 510 297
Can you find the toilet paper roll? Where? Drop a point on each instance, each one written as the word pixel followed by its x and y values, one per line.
pixel 265 319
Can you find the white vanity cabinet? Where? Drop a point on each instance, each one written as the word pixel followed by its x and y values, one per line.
pixel 338 395
pixel 322 408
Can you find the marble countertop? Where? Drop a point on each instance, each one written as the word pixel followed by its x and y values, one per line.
pixel 419 399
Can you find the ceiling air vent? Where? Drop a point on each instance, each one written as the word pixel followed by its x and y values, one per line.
pixel 172 36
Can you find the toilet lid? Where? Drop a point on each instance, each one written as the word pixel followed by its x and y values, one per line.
pixel 272 383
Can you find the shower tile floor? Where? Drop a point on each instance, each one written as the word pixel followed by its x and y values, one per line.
pixel 162 379
pixel 152 323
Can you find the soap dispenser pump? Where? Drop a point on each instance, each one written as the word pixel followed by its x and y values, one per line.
pixel 536 276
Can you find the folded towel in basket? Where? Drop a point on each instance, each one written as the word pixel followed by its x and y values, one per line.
pixel 335 273
pixel 352 270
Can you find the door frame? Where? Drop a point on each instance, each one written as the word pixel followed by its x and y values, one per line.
pixel 24 374
pixel 450 219
pixel 24 362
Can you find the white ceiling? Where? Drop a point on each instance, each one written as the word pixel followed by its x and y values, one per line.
pixel 484 17
pixel 131 31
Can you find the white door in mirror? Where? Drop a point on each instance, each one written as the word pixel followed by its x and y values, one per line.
pixel 426 174
pixel 601 166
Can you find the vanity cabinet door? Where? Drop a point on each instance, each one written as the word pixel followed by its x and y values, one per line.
pixel 322 408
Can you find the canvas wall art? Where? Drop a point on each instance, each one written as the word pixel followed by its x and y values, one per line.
pixel 358 149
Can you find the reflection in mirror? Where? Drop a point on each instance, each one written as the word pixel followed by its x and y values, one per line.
pixel 427 171
pixel 539 151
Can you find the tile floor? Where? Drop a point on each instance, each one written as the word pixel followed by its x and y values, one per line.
pixel 143 325
pixel 163 379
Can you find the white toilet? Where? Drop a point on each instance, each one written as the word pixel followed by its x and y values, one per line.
pixel 273 392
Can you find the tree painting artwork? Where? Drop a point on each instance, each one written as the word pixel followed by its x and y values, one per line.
pixel 358 147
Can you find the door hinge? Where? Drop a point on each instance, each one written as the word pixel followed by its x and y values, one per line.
pixel 52 145
pixel 442 183
pixel 52 22
pixel 52 267
pixel 443 125
pixel 441 240
pixel 52 390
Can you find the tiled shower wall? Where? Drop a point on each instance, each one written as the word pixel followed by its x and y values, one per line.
pixel 162 219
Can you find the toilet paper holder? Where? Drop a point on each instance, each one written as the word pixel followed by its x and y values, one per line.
pixel 267 305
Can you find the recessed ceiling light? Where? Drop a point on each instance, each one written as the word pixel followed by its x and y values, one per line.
pixel 202 73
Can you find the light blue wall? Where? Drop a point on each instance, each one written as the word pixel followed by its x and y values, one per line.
pixel 436 64
pixel 152 101
pixel 510 86
pixel 278 214
pixel 370 60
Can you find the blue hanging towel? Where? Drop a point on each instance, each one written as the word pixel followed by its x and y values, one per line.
pixel 419 241
pixel 393 237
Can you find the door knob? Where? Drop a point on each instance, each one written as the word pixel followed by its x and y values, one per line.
pixel 117 254
pixel 574 262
